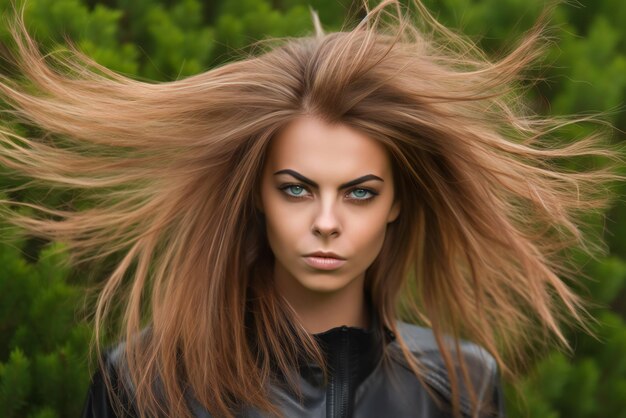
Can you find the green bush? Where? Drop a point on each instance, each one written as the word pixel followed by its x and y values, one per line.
pixel 43 363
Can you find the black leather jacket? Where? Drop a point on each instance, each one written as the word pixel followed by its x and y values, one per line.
pixel 363 383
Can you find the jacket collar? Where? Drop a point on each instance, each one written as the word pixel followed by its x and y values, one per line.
pixel 351 353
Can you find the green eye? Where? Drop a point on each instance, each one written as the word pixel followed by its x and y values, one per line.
pixel 357 195
pixel 295 189
pixel 360 193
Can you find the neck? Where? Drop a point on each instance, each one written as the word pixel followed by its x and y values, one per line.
pixel 321 311
pixel 331 311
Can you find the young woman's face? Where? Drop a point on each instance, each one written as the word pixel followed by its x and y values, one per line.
pixel 325 188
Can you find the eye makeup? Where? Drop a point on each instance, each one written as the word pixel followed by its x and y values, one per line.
pixel 287 186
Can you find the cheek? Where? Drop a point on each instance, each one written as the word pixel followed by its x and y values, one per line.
pixel 278 232
pixel 369 241
pixel 283 230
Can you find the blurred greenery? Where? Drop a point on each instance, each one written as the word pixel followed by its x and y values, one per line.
pixel 43 363
pixel 43 354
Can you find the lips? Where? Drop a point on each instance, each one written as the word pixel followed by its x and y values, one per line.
pixel 325 254
pixel 324 263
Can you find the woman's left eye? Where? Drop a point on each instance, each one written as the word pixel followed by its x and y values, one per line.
pixel 362 193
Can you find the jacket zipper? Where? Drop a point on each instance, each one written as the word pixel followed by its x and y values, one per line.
pixel 347 372
pixel 341 380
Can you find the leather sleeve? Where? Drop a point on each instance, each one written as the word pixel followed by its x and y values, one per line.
pixel 98 403
pixel 499 397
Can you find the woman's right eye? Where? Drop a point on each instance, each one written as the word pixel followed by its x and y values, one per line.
pixel 293 190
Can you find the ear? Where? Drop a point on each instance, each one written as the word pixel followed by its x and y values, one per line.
pixel 394 212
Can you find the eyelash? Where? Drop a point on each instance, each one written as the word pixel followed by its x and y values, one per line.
pixel 357 201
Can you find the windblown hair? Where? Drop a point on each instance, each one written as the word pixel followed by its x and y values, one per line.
pixel 172 172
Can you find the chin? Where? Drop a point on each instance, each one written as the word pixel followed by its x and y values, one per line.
pixel 323 283
pixel 323 289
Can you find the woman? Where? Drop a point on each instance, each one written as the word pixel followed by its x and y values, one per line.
pixel 277 214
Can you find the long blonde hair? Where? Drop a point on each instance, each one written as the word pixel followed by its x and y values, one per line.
pixel 171 171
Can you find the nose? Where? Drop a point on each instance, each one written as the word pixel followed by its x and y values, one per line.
pixel 326 221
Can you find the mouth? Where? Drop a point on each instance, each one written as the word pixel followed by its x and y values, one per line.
pixel 325 254
pixel 324 263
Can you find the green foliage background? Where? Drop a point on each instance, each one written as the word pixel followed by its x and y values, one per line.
pixel 43 345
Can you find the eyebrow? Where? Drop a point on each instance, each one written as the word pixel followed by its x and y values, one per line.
pixel 342 186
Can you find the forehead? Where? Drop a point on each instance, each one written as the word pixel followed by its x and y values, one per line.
pixel 317 148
